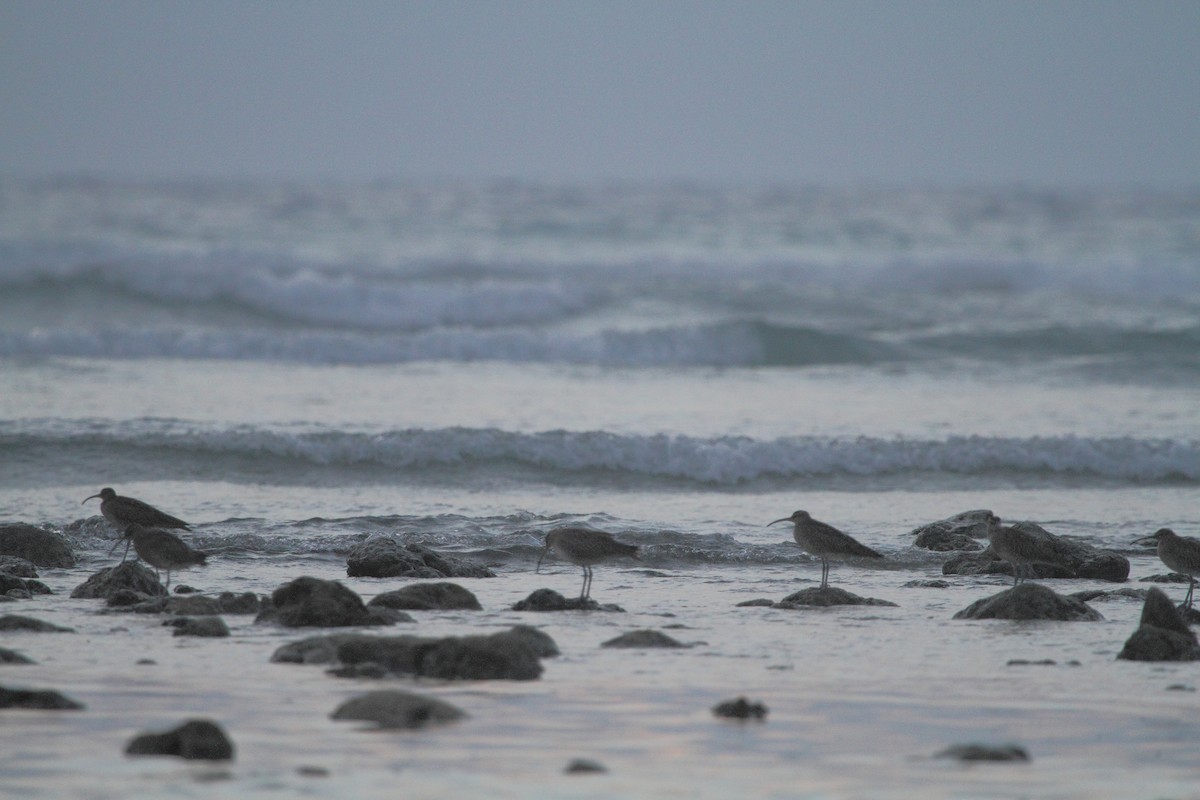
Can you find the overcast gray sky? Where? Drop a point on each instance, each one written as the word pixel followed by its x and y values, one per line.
pixel 800 92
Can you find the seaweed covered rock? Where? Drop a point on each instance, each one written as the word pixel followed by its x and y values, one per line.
pixel 1030 601
pixel 381 557
pixel 550 600
pixel 41 547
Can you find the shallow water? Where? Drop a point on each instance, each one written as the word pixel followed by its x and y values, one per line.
pixel 293 369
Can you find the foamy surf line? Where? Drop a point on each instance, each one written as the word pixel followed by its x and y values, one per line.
pixel 721 461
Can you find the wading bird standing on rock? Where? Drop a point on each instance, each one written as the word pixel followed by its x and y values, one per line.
pixel 1179 553
pixel 825 542
pixel 584 547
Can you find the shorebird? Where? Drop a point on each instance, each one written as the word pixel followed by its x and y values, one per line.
pixel 584 547
pixel 1180 553
pixel 825 541
pixel 163 549
pixel 1020 548
pixel 121 512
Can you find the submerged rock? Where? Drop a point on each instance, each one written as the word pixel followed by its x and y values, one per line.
pixel 381 557
pixel 313 650
pixel 550 600
pixel 18 567
pixel 41 547
pixel 130 575
pixel 39 699
pixel 1030 601
pixel 13 657
pixel 584 766
pixel 829 596
pixel 199 626
pixel 428 597
pixel 958 532
pixel 1072 559
pixel 16 622
pixel 644 638
pixel 393 708
pixel 15 586
pixel 1162 634
pixel 312 602
pixel 195 739
pixel 741 708
pixel 984 752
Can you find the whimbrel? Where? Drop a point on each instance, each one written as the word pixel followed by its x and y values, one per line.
pixel 1180 553
pixel 584 547
pixel 163 549
pixel 1021 549
pixel 121 512
pixel 825 541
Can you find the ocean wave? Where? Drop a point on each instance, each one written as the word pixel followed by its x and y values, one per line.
pixel 720 345
pixel 719 461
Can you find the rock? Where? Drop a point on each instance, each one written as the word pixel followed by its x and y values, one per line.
pixel 508 655
pixel 128 598
pixel 1029 601
pixel 984 752
pixel 1169 577
pixel 313 650
pixel 194 605
pixel 23 587
pixel 195 739
pixel 428 596
pixel 130 575
pixel 1162 634
pixel 312 602
pixel 1101 595
pixel 829 596
pixel 16 622
pixel 1075 560
pixel 584 766
pixel 244 603
pixel 39 699
pixel 760 602
pixel 13 657
pixel 381 557
pixel 644 638
pixel 550 600
pixel 18 567
pixel 41 547
pixel 958 532
pixel 199 626
pixel 740 708
pixel 537 639
pixel 393 708
pixel 922 584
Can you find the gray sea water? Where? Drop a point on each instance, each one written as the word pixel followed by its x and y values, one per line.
pixel 293 368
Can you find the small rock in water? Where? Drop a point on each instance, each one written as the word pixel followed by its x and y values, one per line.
pixel 17 622
pixel 131 575
pixel 1024 662
pixel 1029 601
pixel 39 699
pixel 381 557
pixel 185 589
pixel 13 657
pixel 935 584
pixel 644 638
pixel 584 766
pixel 195 739
pixel 427 597
pixel 1180 687
pixel 760 602
pixel 199 626
pixel 958 532
pixel 393 708
pixel 312 602
pixel 40 547
pixel 550 600
pixel 829 596
pixel 741 708
pixel 1162 634
pixel 984 752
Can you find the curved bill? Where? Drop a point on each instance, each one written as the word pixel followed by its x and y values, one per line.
pixel 89 498
pixel 785 519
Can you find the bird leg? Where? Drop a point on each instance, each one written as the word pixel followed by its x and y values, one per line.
pixel 824 573
pixel 1187 601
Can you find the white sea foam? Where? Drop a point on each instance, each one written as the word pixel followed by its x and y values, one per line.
pixel 719 460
